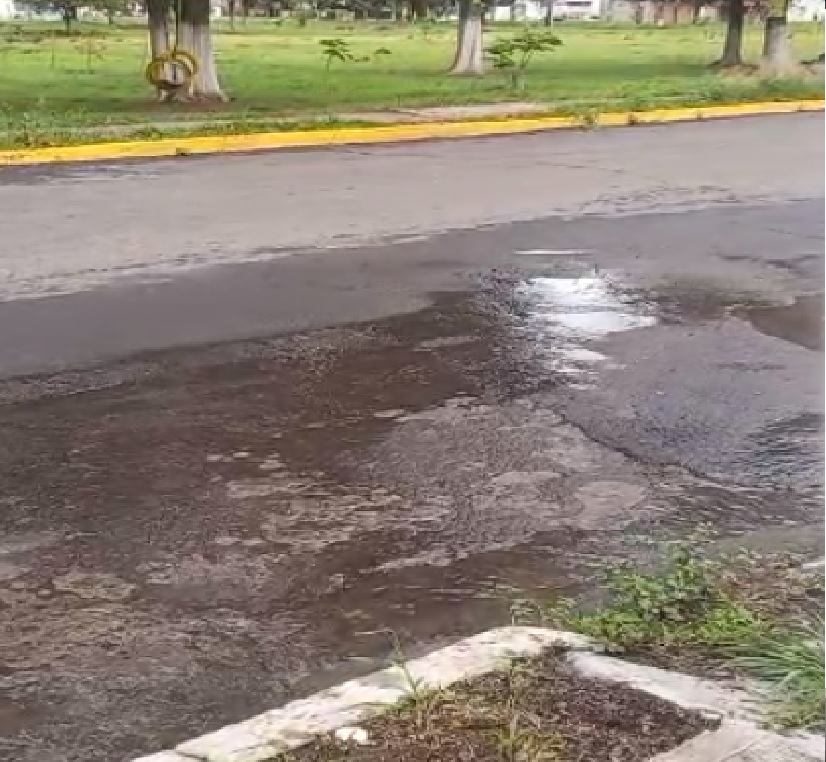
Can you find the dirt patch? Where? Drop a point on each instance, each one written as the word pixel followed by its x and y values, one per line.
pixel 540 709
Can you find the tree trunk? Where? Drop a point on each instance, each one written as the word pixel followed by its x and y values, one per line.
pixel 733 46
pixel 777 51
pixel 549 13
pixel 158 14
pixel 418 10
pixel 69 15
pixel 231 12
pixel 469 44
pixel 195 38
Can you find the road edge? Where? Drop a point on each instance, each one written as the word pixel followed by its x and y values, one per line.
pixel 397 133
pixel 267 736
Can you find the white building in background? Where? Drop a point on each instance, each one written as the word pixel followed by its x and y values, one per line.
pixel 578 10
pixel 8 10
pixel 807 10
pixel 535 10
pixel 626 10
pixel 518 10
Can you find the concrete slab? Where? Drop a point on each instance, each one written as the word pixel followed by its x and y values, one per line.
pixel 687 691
pixel 271 733
pixel 267 735
pixel 742 742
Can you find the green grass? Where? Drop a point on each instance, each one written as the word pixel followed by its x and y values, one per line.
pixel 790 662
pixel 51 84
pixel 693 609
pixel 684 604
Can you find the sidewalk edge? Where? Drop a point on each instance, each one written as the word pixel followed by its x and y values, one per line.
pixel 260 141
pixel 265 737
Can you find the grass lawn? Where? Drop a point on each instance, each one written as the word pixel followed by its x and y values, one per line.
pixel 52 82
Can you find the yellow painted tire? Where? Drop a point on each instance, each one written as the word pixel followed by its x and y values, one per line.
pixel 180 59
pixel 187 59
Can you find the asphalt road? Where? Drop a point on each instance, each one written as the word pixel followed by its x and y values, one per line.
pixel 256 411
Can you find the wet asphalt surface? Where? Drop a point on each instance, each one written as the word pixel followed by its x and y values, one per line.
pixel 224 483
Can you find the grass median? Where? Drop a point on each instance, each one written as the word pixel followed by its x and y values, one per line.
pixel 89 86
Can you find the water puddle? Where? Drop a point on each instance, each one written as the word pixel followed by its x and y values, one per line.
pixel 800 322
pixel 563 317
pixel 572 308
pixel 251 514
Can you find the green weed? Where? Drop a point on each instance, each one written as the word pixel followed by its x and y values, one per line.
pixel 718 610
pixel 682 604
pixel 790 662
pixel 520 736
pixel 419 703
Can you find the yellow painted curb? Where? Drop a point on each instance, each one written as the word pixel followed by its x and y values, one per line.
pixel 184 146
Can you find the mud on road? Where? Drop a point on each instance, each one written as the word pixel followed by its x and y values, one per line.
pixel 194 536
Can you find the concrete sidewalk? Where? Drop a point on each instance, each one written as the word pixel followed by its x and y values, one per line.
pixel 743 742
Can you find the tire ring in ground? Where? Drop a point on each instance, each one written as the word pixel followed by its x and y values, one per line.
pixel 180 59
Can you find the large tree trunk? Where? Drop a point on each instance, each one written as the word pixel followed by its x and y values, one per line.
pixel 157 11
pixel 469 48
pixel 733 46
pixel 777 51
pixel 194 37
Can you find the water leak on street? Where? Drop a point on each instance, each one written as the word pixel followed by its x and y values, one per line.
pixel 572 306
pixel 202 535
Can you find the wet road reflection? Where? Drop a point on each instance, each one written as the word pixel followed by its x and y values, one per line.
pixel 573 306
pixel 234 526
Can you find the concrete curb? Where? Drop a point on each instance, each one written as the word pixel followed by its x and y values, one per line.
pixel 185 146
pixel 264 737
pixel 743 742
